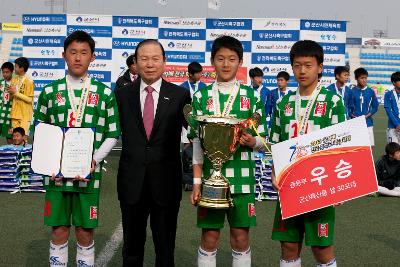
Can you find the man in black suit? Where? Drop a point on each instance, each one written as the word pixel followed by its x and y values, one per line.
pixel 130 74
pixel 150 169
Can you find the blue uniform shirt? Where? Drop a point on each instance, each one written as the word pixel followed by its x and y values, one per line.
pixel 364 101
pixel 346 97
pixel 276 95
pixel 392 109
pixel 192 86
pixel 265 95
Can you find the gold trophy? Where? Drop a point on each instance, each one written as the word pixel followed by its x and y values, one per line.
pixel 219 138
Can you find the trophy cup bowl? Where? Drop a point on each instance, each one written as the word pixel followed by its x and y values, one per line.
pixel 219 138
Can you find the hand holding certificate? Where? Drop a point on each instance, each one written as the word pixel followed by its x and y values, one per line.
pixel 62 152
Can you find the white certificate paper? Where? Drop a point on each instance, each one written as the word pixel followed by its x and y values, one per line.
pixel 65 152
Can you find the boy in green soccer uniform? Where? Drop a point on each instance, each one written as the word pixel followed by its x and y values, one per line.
pixel 227 97
pixel 77 101
pixel 310 108
pixel 7 70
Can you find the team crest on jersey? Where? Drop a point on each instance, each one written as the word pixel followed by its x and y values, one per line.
pixel 6 97
pixel 320 109
pixel 251 209
pixel 288 110
pixel 210 104
pixel 93 99
pixel 244 103
pixel 93 212
pixel 59 98
pixel 322 230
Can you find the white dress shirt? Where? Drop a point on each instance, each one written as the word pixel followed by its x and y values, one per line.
pixel 133 76
pixel 156 93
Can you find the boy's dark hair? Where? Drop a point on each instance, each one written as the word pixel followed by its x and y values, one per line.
pixel 284 75
pixel 23 62
pixel 80 37
pixel 360 71
pixel 340 69
pixel 147 41
pixel 8 65
pixel 391 148
pixel 307 48
pixel 228 42
pixel 19 130
pixel 395 77
pixel 194 67
pixel 256 72
pixel 130 60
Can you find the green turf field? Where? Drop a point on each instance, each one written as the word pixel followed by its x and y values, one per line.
pixel 367 229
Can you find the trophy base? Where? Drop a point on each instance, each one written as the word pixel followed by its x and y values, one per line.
pixel 215 197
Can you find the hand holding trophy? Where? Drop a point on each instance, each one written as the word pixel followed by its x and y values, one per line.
pixel 219 138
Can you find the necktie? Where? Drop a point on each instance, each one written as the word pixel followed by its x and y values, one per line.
pixel 148 111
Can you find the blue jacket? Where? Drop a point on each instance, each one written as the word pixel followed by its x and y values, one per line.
pixel 346 100
pixel 392 110
pixel 276 94
pixel 364 102
pixel 186 85
pixel 265 95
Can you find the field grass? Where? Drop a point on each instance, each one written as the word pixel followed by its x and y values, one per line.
pixel 367 230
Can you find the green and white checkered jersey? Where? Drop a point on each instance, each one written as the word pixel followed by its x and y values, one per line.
pixel 239 169
pixel 327 110
pixel 101 112
pixel 5 107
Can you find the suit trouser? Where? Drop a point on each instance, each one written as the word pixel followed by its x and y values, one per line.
pixel 163 221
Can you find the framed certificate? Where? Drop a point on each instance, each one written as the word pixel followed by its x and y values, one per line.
pixel 65 152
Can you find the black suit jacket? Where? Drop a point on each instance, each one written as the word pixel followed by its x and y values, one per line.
pixel 157 159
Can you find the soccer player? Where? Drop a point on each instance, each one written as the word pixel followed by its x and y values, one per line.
pixel 392 108
pixel 388 171
pixel 256 77
pixel 276 94
pixel 227 97
pixel 364 101
pixel 310 108
pixel 339 87
pixel 7 70
pixel 21 92
pixel 193 83
pixel 18 136
pixel 130 74
pixel 77 101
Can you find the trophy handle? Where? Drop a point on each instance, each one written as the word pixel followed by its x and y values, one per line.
pixel 187 113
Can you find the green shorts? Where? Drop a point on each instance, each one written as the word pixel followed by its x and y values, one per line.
pixel 242 214
pixel 60 207
pixel 317 227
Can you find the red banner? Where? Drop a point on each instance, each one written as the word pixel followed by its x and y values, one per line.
pixel 326 178
pixel 178 74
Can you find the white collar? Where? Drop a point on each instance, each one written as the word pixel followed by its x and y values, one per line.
pixel 225 87
pixel 75 82
pixel 132 76
pixel 156 85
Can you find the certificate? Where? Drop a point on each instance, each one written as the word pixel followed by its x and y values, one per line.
pixel 324 167
pixel 65 152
